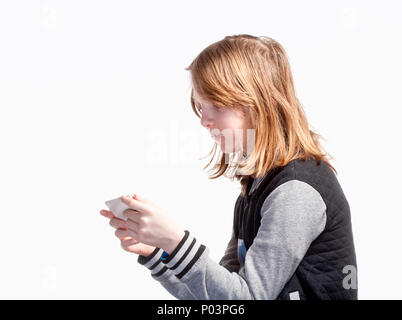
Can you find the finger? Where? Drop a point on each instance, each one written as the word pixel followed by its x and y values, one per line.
pixel 144 199
pixel 125 244
pixel 129 241
pixel 132 234
pixel 132 226
pixel 118 223
pixel 135 204
pixel 123 233
pixel 132 215
pixel 107 213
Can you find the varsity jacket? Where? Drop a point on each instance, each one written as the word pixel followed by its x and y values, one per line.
pixel 291 239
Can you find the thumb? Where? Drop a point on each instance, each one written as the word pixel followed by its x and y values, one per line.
pixel 141 198
pixel 144 199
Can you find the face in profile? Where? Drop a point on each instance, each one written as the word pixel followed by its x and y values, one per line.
pixel 229 128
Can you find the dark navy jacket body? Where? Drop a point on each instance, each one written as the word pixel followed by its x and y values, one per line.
pixel 328 269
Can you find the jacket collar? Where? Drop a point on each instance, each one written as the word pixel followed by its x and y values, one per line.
pixel 255 183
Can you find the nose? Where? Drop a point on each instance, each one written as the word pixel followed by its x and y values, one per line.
pixel 207 121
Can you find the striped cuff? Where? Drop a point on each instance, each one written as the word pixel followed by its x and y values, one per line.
pixel 153 262
pixel 183 257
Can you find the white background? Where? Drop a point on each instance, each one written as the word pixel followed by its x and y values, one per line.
pixel 88 88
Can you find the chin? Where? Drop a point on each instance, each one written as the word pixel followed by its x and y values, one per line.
pixel 228 147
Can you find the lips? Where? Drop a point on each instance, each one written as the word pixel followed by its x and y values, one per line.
pixel 216 135
pixel 217 138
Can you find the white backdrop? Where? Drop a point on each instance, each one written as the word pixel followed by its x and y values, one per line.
pixel 94 103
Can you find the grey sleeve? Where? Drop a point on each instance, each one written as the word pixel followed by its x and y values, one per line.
pixel 160 272
pixel 293 215
pixel 171 283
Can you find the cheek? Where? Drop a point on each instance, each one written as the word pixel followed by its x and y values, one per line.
pixel 231 121
pixel 234 129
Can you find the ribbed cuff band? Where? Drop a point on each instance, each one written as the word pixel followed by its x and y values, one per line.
pixel 184 255
pixel 153 262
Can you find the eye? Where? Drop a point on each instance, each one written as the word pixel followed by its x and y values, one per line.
pixel 219 109
pixel 198 109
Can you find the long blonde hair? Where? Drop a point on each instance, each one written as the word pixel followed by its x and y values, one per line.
pixel 248 71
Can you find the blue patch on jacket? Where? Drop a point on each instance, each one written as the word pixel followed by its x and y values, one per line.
pixel 241 251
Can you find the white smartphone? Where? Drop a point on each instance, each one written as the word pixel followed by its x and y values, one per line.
pixel 118 207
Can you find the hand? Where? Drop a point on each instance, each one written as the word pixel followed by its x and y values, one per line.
pixel 150 225
pixel 127 243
